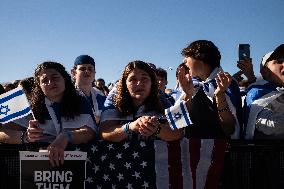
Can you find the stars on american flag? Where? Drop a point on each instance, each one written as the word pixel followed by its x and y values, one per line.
pixel 135 155
pixel 145 185
pixel 127 165
pixel 96 168
pixel 142 144
pixel 143 164
pixel 103 157
pixel 136 175
pixel 110 146
pixel 120 176
pixel 106 177
pixel 119 155
pixel 122 165
pixel 129 186
pixel 126 145
pixel 111 166
pixel 94 148
pixel 89 180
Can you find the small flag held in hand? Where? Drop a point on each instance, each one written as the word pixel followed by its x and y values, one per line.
pixel 13 105
pixel 178 116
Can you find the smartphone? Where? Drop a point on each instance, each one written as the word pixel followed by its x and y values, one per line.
pixel 162 120
pixel 244 51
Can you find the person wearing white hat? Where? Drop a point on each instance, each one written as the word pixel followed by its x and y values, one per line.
pixel 265 101
pixel 272 66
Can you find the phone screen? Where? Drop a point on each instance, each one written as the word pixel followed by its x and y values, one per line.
pixel 244 51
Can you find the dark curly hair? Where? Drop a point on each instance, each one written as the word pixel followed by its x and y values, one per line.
pixel 205 51
pixel 70 104
pixel 123 101
pixel 2 89
pixel 162 73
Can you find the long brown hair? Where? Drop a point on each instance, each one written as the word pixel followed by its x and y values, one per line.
pixel 70 104
pixel 123 101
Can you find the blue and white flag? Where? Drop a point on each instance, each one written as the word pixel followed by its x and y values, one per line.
pixel 178 116
pixel 13 105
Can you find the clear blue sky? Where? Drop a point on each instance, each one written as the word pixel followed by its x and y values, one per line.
pixel 115 32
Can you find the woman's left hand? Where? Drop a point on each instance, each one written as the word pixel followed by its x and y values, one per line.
pixel 223 81
pixel 56 150
pixel 148 125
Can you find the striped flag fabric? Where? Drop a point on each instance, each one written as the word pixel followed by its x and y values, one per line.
pixel 13 105
pixel 189 163
pixel 178 116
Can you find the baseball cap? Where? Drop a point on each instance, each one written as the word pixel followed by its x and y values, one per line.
pixel 273 55
pixel 84 59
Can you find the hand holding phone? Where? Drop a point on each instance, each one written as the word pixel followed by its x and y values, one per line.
pixel 162 120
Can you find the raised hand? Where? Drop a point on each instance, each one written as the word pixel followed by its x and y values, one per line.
pixel 185 81
pixel 238 76
pixel 223 81
pixel 246 67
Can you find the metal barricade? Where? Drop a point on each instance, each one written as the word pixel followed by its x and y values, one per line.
pixel 248 164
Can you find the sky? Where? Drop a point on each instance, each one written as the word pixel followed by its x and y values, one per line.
pixel 115 32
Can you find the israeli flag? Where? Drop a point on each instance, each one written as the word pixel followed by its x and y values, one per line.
pixel 178 116
pixel 13 105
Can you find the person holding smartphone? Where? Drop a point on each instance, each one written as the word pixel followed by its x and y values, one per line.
pixel 245 65
pixel 62 116
pixel 265 99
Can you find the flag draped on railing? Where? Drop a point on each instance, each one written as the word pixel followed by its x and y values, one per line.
pixel 189 163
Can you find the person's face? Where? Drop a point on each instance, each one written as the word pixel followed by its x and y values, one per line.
pixel 277 69
pixel 197 68
pixel 193 65
pixel 52 84
pixel 100 83
pixel 162 82
pixel 138 84
pixel 84 74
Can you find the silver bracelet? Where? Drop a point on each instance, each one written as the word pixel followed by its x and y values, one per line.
pixel 125 128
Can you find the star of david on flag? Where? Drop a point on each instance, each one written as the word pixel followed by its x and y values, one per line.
pixel 178 116
pixel 13 105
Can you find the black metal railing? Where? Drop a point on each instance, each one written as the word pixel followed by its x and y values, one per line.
pixel 247 165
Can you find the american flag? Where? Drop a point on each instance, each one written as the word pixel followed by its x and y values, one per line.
pixel 121 165
pixel 147 164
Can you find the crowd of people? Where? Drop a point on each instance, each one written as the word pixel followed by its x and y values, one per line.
pixel 76 108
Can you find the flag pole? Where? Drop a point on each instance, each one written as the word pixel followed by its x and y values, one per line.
pixel 33 116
